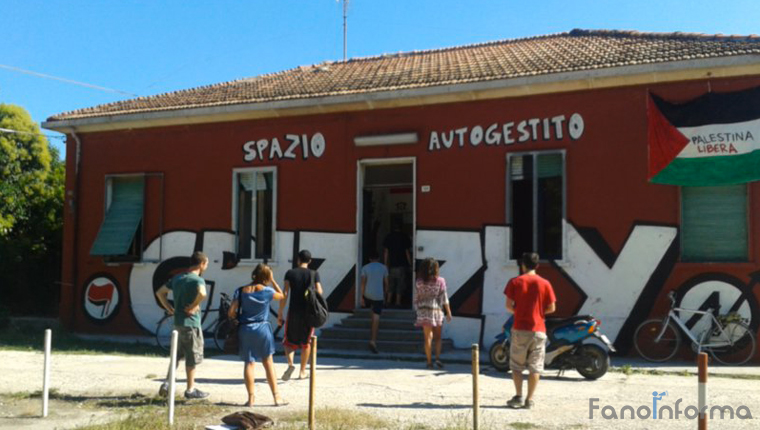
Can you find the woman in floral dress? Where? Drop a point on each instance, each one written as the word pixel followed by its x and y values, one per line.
pixel 430 302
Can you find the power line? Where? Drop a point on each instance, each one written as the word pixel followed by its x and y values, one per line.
pixel 68 81
pixel 50 136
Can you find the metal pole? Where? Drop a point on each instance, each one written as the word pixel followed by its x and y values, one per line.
pixel 475 395
pixel 172 376
pixel 702 362
pixel 312 382
pixel 46 374
pixel 345 29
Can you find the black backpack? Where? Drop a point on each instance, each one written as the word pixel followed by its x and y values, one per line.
pixel 316 306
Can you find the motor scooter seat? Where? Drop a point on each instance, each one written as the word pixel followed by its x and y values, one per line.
pixel 552 323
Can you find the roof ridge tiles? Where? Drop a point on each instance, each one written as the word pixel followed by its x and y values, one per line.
pixel 671 35
pixel 578 49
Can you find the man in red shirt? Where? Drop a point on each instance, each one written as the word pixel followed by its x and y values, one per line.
pixel 529 297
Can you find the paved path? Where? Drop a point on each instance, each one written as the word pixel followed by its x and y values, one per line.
pixel 399 390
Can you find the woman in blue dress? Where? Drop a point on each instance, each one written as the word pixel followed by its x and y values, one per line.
pixel 256 342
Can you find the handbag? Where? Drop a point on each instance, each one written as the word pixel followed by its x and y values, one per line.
pixel 231 341
pixel 316 305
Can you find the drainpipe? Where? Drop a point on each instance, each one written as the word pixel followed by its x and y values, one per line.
pixel 75 244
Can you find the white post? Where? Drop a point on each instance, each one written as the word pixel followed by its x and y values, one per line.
pixel 172 378
pixel 475 391
pixel 312 383
pixel 46 374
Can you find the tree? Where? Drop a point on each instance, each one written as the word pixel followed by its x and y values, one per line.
pixel 31 214
pixel 24 165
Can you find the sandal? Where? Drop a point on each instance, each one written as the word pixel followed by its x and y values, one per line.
pixel 429 365
pixel 438 364
pixel 279 401
pixel 288 372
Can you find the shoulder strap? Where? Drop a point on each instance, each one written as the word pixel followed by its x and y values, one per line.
pixel 240 302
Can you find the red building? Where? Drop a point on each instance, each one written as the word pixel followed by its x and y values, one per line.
pixel 552 143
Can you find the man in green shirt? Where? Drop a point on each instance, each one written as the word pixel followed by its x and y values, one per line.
pixel 189 290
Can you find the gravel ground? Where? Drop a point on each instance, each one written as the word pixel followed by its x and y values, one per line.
pixel 402 391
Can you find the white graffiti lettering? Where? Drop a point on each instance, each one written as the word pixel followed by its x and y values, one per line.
pixel 257 149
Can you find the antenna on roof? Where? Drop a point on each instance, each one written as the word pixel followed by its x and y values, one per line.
pixel 345 28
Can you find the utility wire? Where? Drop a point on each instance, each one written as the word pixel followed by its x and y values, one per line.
pixel 68 81
pixel 50 136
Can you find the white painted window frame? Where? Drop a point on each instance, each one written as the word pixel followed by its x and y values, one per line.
pixel 235 189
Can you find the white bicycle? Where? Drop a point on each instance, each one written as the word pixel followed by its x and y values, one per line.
pixel 727 338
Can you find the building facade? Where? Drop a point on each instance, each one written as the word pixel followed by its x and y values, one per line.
pixel 547 157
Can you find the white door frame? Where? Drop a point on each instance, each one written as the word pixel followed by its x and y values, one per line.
pixel 360 165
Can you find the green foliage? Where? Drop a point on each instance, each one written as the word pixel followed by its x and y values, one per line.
pixel 31 214
pixel 24 166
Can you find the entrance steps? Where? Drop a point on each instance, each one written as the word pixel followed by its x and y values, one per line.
pixel 397 334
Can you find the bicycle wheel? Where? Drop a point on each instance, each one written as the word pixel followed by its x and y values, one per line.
pixel 649 348
pixel 164 332
pixel 742 347
pixel 220 333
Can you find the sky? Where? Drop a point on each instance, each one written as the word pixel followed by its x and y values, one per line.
pixel 150 47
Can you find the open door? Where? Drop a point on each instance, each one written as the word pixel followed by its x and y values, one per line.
pixel 387 222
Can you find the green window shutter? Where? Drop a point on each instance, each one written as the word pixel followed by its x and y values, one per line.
pixel 714 223
pixel 549 165
pixel 122 218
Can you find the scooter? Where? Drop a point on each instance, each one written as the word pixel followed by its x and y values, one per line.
pixel 564 348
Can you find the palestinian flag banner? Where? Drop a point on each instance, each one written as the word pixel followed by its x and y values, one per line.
pixel 709 141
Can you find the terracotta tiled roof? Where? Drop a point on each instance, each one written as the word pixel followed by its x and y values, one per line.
pixel 577 50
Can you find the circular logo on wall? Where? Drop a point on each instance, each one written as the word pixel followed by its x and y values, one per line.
pixel 101 298
pixel 721 294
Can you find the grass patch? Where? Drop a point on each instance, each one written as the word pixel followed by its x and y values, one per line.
pixel 334 419
pixel 523 426
pixel 628 370
pixel 138 420
pixel 149 414
pixel 52 394
pixel 29 335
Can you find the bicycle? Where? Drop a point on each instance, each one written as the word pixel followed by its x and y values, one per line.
pixel 220 328
pixel 728 338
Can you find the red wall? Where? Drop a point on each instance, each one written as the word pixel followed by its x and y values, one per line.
pixel 607 187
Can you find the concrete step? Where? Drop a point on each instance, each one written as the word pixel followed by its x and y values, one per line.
pixel 384 346
pixel 385 323
pixel 388 313
pixel 359 334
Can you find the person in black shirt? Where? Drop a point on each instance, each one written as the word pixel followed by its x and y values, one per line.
pixel 397 256
pixel 297 332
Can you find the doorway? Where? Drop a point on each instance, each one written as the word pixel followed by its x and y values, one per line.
pixel 386 215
